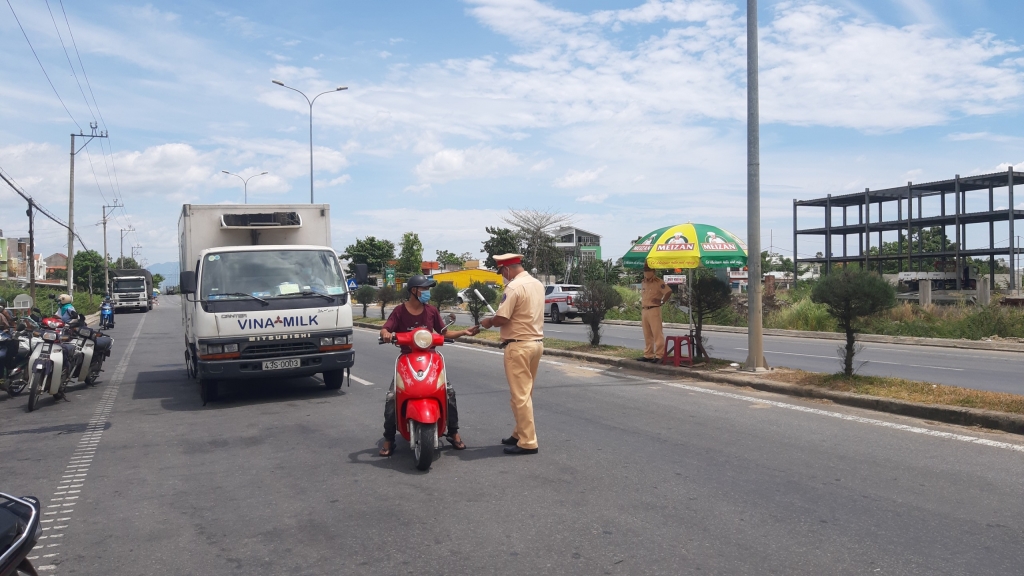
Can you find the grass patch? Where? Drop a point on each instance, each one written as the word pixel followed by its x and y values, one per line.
pixel 900 389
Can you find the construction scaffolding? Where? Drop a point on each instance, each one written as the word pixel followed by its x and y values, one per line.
pixel 910 218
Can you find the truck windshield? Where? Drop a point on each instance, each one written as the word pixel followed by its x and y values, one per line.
pixel 132 285
pixel 279 274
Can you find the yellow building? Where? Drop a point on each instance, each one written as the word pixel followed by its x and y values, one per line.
pixel 463 278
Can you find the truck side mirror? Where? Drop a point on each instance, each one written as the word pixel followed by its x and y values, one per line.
pixel 362 274
pixel 187 281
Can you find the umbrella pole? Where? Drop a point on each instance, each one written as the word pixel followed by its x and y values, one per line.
pixel 689 300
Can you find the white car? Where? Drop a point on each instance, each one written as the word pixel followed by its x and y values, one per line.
pixel 559 301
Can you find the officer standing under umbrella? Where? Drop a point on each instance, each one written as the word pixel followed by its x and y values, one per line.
pixel 520 317
pixel 654 295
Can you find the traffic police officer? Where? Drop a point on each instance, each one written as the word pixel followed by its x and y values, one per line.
pixel 653 296
pixel 520 317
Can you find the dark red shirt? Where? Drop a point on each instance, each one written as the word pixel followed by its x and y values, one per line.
pixel 401 320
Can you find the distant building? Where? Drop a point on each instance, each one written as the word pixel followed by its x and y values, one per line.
pixel 579 247
pixel 56 260
pixel 3 256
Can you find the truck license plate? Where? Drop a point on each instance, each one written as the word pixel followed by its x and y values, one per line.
pixel 280 364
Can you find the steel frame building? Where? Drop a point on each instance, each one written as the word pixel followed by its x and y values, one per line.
pixel 910 217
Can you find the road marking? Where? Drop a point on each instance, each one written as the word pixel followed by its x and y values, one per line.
pixel 79 463
pixel 360 380
pixel 866 361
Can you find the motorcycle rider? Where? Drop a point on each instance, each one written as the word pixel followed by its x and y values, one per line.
pixel 410 315
pixel 6 318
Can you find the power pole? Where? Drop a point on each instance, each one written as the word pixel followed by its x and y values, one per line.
pixel 123 232
pixel 31 256
pixel 71 201
pixel 106 258
pixel 755 341
pixel 134 248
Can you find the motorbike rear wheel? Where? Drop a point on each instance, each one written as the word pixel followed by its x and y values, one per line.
pixel 423 444
pixel 15 387
pixel 33 390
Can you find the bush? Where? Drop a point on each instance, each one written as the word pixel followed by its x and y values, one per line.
pixel 849 295
pixel 444 294
pixel 707 297
pixel 84 302
pixel 596 298
pixel 474 305
pixel 803 315
pixel 387 295
pixel 364 295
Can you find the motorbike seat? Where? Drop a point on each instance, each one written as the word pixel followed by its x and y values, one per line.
pixel 11 527
pixel 104 342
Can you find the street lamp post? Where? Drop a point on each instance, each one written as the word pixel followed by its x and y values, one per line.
pixel 245 182
pixel 310 102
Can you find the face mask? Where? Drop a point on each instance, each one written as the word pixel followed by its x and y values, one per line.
pixel 425 296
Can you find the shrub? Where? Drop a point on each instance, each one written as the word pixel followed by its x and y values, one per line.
pixel 444 294
pixel 387 295
pixel 364 295
pixel 596 298
pixel 849 295
pixel 475 306
pixel 708 296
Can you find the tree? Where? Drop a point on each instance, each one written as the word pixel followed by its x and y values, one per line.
pixel 848 295
pixel 707 296
pixel 596 298
pixel 122 263
pixel 410 259
pixel 534 229
pixel 364 295
pixel 502 241
pixel 446 258
pixel 88 263
pixel 475 305
pixel 372 252
pixel 387 295
pixel 158 279
pixel 775 262
pixel 444 294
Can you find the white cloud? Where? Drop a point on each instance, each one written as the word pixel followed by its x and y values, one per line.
pixel 578 178
pixel 474 162
pixel 542 165
pixel 593 198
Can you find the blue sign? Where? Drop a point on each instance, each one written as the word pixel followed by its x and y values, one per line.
pixel 352 285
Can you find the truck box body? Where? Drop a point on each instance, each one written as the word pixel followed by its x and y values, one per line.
pixel 270 299
pixel 131 288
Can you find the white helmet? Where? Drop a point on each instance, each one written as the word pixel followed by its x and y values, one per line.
pixel 64 299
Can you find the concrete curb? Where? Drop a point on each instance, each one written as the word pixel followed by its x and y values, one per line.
pixel 876 338
pixel 952 415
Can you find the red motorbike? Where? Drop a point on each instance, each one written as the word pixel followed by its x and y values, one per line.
pixel 421 393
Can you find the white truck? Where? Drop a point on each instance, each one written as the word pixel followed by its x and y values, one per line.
pixel 131 289
pixel 559 301
pixel 263 294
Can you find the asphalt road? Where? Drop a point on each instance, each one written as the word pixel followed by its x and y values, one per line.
pixel 980 369
pixel 634 476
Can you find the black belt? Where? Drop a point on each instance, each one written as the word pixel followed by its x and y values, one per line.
pixel 649 307
pixel 507 342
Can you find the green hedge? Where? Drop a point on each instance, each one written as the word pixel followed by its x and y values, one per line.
pixel 84 303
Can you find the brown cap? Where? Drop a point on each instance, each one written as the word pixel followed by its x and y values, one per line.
pixel 508 259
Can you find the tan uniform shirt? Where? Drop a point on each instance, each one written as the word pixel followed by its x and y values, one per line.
pixel 653 292
pixel 523 305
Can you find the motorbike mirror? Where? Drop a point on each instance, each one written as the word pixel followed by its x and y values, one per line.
pixel 37 310
pixel 22 326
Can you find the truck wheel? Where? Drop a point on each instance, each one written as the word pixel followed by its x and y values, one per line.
pixel 208 390
pixel 556 316
pixel 334 379
pixel 425 436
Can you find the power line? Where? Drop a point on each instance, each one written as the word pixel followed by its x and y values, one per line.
pixel 42 67
pixel 81 65
pixel 14 186
pixel 68 56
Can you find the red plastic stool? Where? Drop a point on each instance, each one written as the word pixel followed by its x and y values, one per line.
pixel 674 348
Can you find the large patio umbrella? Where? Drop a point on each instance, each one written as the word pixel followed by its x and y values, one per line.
pixel 687 246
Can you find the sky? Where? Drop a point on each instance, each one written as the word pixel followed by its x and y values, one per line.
pixel 629 114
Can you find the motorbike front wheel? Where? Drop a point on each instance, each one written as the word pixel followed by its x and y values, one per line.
pixel 423 444
pixel 33 390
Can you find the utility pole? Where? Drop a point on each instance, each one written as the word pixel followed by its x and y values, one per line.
pixel 31 256
pixel 71 201
pixel 106 256
pixel 755 342
pixel 134 248
pixel 123 232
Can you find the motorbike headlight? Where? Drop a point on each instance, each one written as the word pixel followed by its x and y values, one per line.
pixel 326 341
pixel 230 348
pixel 423 339
pixel 85 332
pixel 50 336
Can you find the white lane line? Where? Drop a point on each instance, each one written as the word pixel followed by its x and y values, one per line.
pixel 360 380
pixel 81 460
pixel 867 361
pixel 475 349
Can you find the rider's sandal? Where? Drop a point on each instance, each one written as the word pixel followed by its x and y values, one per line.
pixel 459 445
pixel 387 451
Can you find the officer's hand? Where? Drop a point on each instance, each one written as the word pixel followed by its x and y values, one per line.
pixel 487 323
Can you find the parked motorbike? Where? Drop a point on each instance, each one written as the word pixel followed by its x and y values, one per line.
pixel 106 314
pixel 95 348
pixel 421 392
pixel 20 530
pixel 15 350
pixel 50 362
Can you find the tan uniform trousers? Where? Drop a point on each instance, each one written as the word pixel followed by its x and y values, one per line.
pixel 522 359
pixel 654 338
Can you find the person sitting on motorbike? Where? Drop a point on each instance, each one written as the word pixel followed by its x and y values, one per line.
pixel 412 314
pixel 6 318
pixel 66 308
